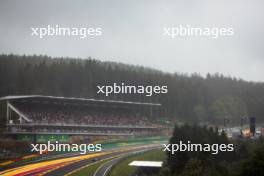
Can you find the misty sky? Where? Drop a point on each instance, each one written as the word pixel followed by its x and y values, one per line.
pixel 133 33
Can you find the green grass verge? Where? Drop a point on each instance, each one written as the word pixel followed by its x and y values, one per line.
pixel 123 169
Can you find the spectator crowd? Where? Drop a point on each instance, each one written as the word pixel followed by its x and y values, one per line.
pixel 81 115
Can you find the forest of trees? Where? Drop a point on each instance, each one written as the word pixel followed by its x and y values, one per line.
pixel 246 159
pixel 189 98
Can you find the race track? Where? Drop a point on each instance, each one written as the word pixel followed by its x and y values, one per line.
pixel 69 164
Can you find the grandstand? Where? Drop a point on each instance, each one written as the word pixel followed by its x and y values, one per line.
pixel 37 117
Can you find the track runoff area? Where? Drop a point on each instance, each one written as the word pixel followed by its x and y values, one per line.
pixel 71 164
pixel 34 118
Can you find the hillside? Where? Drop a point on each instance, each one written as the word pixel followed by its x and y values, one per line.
pixel 189 97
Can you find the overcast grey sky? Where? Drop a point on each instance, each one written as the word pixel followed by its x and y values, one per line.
pixel 133 33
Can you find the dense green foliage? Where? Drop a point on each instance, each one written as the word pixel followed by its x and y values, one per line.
pixel 189 98
pixel 247 159
pixel 254 165
pixel 181 161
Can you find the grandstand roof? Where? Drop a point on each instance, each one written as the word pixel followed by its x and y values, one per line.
pixel 17 97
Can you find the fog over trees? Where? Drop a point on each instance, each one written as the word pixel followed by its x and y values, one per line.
pixel 190 97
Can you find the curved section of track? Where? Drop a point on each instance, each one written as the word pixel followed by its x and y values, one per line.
pixel 104 168
pixel 63 166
